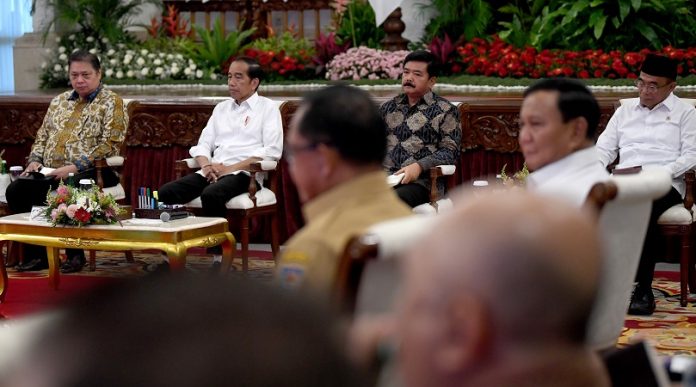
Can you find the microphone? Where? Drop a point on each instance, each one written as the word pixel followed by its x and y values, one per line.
pixel 173 215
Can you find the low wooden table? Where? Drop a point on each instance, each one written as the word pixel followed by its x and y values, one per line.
pixel 173 237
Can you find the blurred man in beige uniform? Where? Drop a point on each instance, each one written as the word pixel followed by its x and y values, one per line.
pixel 335 149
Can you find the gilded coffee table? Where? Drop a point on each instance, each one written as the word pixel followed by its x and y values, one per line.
pixel 173 237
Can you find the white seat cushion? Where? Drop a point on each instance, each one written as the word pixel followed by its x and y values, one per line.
pixel 425 208
pixel 264 197
pixel 116 191
pixel 676 214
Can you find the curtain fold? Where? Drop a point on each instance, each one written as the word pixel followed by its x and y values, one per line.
pixel 14 22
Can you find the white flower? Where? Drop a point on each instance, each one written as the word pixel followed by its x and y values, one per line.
pixel 199 74
pixel 90 39
pixel 175 70
pixel 111 51
pixel 192 66
pixel 150 55
pixel 105 40
pixel 144 71
pixel 157 62
pixel 213 76
pixel 143 52
pixel 130 74
pixel 113 62
pixel 161 55
pixel 58 39
pixel 62 57
pixel 57 67
pixel 127 59
pixel 187 71
pixel 71 37
pixel 140 61
pixel 92 50
pixel 179 56
pixel 159 71
pixel 61 49
pixel 170 56
pixel 119 74
pixel 109 73
pixel 44 64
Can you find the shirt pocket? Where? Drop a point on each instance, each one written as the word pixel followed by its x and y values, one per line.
pixel 667 134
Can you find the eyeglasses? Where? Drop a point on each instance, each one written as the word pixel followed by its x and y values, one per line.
pixel 650 88
pixel 86 75
pixel 291 151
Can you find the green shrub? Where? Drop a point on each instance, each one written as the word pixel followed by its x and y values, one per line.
pixel 216 47
pixel 465 19
pixel 357 26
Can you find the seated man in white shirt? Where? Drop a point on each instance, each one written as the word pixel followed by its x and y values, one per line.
pixel 657 128
pixel 558 122
pixel 241 131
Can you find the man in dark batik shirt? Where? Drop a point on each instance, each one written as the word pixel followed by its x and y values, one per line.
pixel 423 130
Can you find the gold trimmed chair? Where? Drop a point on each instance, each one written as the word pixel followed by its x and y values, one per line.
pixel 248 205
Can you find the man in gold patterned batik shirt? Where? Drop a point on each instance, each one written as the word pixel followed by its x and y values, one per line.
pixel 81 125
pixel 423 129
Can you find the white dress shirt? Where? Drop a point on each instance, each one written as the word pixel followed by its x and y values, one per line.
pixel 235 132
pixel 569 178
pixel 664 135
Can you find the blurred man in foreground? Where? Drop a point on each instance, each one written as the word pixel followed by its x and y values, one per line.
pixel 499 294
pixel 334 151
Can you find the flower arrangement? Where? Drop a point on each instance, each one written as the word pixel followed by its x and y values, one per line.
pixel 79 207
pixel 366 63
pixel 518 178
pixel 121 61
pixel 499 59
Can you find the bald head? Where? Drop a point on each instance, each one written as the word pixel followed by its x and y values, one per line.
pixel 500 271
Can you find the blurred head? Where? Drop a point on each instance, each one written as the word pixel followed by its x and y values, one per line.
pixel 189 331
pixel 419 73
pixel 243 78
pixel 558 117
pixel 657 79
pixel 335 128
pixel 482 293
pixel 84 71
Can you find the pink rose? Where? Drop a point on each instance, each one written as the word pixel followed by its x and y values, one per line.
pixel 70 211
pixel 62 190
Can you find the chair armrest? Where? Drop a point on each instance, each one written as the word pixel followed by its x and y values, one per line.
pixel 263 166
pixel 689 180
pixel 435 172
pixel 115 161
pixel 183 167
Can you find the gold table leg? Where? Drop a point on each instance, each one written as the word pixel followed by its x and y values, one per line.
pixel 53 267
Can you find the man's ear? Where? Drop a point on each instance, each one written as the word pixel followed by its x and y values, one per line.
pixel 579 132
pixel 431 82
pixel 255 83
pixel 328 158
pixel 467 335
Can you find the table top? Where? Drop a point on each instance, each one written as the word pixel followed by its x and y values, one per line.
pixel 135 224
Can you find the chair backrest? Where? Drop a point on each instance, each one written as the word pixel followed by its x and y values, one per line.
pixel 623 223
pixel 367 276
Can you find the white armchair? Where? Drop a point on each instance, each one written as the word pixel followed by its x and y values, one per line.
pixel 623 222
pixel 437 203
pixel 245 206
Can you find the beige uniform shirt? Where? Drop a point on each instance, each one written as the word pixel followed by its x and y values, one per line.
pixel 311 256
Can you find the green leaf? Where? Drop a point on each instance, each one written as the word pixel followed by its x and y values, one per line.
pixel 624 9
pixel 599 26
pixel 574 10
pixel 649 33
pixel 635 4
pixel 616 22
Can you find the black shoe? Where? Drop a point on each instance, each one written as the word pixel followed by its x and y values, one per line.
pixel 642 302
pixel 157 268
pixel 73 264
pixel 33 265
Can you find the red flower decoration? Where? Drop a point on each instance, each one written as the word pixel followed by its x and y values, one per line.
pixel 82 215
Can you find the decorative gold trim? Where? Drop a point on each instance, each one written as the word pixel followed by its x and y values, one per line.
pixel 212 241
pixel 79 242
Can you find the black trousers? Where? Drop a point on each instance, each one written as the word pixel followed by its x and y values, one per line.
pixel 413 194
pixel 648 258
pixel 24 193
pixel 213 195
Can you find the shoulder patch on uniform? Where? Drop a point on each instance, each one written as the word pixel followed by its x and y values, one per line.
pixel 291 275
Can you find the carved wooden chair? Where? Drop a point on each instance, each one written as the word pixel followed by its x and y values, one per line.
pixel 367 274
pixel 622 205
pixel 678 222
pixel 437 201
pixel 248 205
